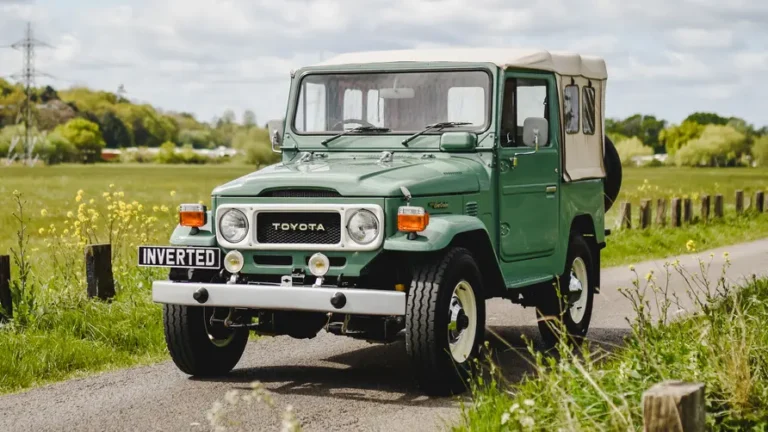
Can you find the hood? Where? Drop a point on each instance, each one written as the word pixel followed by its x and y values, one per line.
pixel 364 175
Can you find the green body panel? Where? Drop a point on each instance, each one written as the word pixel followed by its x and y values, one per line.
pixel 438 235
pixel 204 237
pixel 514 195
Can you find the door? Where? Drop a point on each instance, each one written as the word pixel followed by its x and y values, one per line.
pixel 529 178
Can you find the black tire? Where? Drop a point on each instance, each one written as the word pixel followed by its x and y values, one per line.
pixel 613 174
pixel 552 310
pixel 428 315
pixel 192 349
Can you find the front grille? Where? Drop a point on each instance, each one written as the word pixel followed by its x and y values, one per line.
pixel 298 228
pixel 301 193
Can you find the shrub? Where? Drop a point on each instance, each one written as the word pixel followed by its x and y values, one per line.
pixel 760 151
pixel 630 148
pixel 85 136
pixel 254 142
pixel 717 146
pixel 138 155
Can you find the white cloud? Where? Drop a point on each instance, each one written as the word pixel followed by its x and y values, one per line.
pixel 665 57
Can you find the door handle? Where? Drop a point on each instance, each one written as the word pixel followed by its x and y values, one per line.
pixel 551 189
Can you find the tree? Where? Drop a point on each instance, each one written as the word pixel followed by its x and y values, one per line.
pixel 760 151
pixel 227 118
pixel 254 142
pixel 85 136
pixel 675 137
pixel 646 128
pixel 116 134
pixel 717 146
pixel 249 118
pixel 705 118
pixel 48 94
pixel 630 148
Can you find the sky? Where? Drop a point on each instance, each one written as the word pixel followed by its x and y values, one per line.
pixel 666 58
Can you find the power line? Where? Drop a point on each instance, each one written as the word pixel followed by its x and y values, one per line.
pixel 27 76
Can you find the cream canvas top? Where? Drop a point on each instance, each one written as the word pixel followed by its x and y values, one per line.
pixel 563 63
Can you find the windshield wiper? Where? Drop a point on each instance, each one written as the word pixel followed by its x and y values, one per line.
pixel 356 130
pixel 436 126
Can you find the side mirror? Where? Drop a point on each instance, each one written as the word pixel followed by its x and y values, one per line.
pixel 275 128
pixel 458 142
pixel 535 132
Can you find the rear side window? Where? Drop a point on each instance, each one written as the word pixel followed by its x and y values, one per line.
pixel 589 109
pixel 571 108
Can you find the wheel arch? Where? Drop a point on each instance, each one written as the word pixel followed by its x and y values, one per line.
pixel 584 226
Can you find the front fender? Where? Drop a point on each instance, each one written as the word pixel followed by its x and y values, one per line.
pixel 439 234
pixel 204 237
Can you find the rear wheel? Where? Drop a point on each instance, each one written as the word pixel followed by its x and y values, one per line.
pixel 445 321
pixel 199 346
pixel 571 310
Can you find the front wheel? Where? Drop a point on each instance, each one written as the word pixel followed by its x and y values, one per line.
pixel 445 321
pixel 571 311
pixel 200 346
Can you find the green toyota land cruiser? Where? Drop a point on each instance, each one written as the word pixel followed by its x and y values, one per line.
pixel 414 185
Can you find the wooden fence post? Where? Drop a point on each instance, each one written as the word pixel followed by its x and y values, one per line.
pixel 645 213
pixel 5 288
pixel 759 203
pixel 739 201
pixel 718 206
pixel 98 271
pixel 661 212
pixel 676 212
pixel 625 215
pixel 687 210
pixel 674 406
pixel 705 208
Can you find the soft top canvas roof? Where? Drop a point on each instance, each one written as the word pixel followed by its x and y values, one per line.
pixel 563 63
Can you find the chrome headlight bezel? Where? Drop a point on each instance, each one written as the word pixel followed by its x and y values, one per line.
pixel 372 218
pixel 237 213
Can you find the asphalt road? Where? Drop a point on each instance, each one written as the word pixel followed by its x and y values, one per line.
pixel 333 383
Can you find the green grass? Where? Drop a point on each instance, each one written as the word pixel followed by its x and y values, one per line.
pixel 68 335
pixel 726 348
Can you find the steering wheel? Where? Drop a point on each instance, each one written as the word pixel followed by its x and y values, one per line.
pixel 357 121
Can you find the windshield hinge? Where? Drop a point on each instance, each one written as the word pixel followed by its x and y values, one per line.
pixel 306 157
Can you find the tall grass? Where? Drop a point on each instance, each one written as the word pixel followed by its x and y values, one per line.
pixel 716 335
pixel 56 331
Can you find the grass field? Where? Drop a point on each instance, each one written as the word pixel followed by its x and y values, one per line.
pixel 62 334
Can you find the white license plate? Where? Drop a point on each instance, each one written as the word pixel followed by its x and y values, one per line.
pixel 181 257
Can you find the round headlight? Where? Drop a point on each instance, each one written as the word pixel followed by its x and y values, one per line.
pixel 233 226
pixel 363 227
pixel 234 261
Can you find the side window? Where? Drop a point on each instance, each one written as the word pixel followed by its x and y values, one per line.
pixel 311 109
pixel 571 108
pixel 523 98
pixel 374 108
pixel 353 104
pixel 589 110
pixel 467 104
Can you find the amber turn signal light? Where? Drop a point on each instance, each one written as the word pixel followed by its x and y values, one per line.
pixel 412 219
pixel 192 215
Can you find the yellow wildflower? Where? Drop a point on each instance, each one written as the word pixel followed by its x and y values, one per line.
pixel 43 212
pixel 631 267
pixel 164 209
pixel 79 198
pixel 726 255
pixel 105 194
pixel 70 215
pixel 200 202
pixel 92 201
pixel 16 193
pixel 41 231
pixel 80 192
pixel 691 245
pixel 173 193
pixel 111 185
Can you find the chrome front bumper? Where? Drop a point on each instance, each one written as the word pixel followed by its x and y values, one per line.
pixel 274 297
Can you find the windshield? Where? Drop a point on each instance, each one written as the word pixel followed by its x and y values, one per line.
pixel 404 102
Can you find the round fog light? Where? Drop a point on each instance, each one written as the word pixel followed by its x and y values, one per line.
pixel 234 261
pixel 319 264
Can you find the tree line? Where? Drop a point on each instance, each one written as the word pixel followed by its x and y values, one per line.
pixel 701 139
pixel 79 122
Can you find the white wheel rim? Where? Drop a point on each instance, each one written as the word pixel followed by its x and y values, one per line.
pixel 579 281
pixel 462 325
pixel 214 334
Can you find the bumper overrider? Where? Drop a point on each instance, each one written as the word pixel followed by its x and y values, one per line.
pixel 274 297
